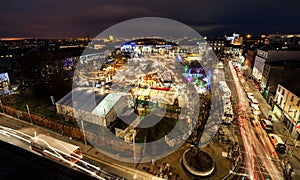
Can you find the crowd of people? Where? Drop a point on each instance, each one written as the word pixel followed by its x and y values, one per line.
pixel 163 170
pixel 288 169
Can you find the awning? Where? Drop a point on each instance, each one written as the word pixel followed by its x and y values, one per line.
pixel 298 127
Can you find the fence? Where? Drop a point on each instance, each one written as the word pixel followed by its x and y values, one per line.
pixel 67 130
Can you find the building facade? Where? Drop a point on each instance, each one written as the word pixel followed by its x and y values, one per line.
pixel 285 41
pixel 233 44
pixel 276 72
pixel 217 44
pixel 287 106
pixel 261 57
pixel 268 54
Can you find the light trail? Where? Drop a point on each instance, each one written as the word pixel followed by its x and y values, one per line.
pixel 258 150
pixel 56 153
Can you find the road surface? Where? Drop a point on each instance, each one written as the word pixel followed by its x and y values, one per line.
pixel 260 160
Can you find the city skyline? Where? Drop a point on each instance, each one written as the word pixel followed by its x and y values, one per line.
pixel 50 19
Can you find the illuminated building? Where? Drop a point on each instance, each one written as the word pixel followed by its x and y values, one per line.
pixel 233 44
pixel 275 72
pixel 285 41
pixel 287 106
pixel 250 56
pixel 217 44
pixel 269 53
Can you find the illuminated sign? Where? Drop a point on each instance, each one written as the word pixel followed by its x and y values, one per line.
pixel 277 111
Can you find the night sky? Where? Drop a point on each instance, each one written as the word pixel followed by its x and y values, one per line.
pixel 77 18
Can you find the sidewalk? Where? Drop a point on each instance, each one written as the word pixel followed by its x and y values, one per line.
pixel 279 128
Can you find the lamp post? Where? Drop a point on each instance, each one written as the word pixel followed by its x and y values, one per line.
pixel 133 141
pixel 28 111
pixel 84 137
pixel 1 106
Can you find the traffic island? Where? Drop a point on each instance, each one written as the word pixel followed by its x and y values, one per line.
pixel 198 162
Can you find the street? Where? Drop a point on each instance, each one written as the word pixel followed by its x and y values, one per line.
pixel 260 160
pixel 25 130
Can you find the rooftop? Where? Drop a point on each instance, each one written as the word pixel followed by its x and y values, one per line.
pixel 293 85
pixel 267 48
pixel 83 99
pixel 293 62
pixel 150 41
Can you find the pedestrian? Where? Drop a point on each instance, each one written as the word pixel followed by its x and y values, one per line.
pixel 287 149
pixel 293 175
pixel 175 177
pixel 290 171
pixel 153 162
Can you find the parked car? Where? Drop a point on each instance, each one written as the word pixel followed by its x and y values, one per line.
pixel 255 111
pixel 247 89
pixel 267 125
pixel 277 142
pixel 254 104
pixel 254 101
pixel 250 95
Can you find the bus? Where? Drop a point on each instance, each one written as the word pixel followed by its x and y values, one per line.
pixel 56 149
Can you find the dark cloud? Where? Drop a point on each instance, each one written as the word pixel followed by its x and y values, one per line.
pixel 65 18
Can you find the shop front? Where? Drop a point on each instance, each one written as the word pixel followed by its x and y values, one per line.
pixel 288 122
pixel 298 130
pixel 292 126
pixel 278 112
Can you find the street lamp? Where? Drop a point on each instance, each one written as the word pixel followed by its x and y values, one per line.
pixel 28 113
pixel 1 106
pixel 84 137
pixel 133 142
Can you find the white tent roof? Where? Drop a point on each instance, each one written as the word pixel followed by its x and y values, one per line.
pixel 106 104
